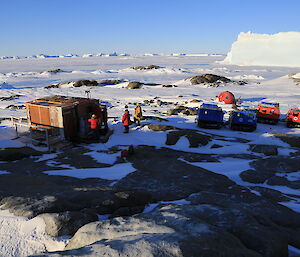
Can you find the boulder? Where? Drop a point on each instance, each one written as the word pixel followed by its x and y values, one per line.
pixel 88 83
pixel 16 107
pixel 207 78
pixel 9 98
pixel 110 81
pixel 66 223
pixel 13 154
pixel 149 67
pixel 168 86
pixel 103 201
pixel 254 176
pixel 160 127
pixel 182 109
pixel 265 149
pixel 169 231
pixel 134 85
pixel 195 139
pixel 54 71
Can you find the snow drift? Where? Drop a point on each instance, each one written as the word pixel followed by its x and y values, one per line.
pixel 281 49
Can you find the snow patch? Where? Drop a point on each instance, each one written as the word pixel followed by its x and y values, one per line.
pixel 117 171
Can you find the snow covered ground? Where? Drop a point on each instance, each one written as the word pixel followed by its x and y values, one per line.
pixel 26 78
pixel 22 237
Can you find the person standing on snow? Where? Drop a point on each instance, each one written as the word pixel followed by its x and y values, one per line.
pixel 126 121
pixel 94 126
pixel 138 114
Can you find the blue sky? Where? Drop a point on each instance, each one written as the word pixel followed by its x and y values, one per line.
pixel 30 27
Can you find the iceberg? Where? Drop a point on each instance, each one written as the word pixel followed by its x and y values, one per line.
pixel 281 49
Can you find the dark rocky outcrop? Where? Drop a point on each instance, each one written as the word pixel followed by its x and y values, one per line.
pixel 9 98
pixel 134 85
pixel 103 200
pixel 166 176
pixel 292 140
pixel 66 223
pixel 195 139
pixel 88 83
pixel 242 224
pixel 273 171
pixel 183 110
pixel 16 107
pixel 160 127
pixel 264 149
pixel 208 78
pixel 110 81
pixel 149 67
pixel 14 153
pixel 54 71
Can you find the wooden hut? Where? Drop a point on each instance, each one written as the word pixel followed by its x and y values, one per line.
pixel 64 117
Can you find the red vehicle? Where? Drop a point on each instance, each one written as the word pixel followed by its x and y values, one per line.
pixel 268 113
pixel 293 118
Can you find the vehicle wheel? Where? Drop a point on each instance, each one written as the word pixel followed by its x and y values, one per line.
pixel 289 125
pixel 201 124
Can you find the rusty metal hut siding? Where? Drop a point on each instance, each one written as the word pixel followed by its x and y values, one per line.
pixel 63 116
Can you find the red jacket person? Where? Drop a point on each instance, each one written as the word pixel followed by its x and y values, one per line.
pixel 126 121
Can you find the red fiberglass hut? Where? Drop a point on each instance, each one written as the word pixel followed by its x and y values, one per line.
pixel 226 97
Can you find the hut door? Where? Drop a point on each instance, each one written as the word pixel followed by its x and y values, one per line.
pixel 70 123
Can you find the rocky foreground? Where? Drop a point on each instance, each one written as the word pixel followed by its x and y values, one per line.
pixel 168 206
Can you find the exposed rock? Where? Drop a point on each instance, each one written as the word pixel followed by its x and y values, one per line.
pixel 196 139
pixel 52 86
pixel 242 223
pixel 169 86
pixel 270 194
pixel 170 231
pixel 277 164
pixel 134 85
pixel 28 207
pixel 103 201
pixel 12 154
pixel 160 127
pixel 255 177
pixel 88 83
pixel 59 84
pixel 261 225
pixel 265 149
pixel 182 109
pixel 66 223
pixel 110 81
pixel 128 211
pixel 207 78
pixel 54 71
pixel 273 170
pixel 9 98
pixel 164 174
pixel 149 67
pixel 195 101
pixel 16 107
pixel 292 140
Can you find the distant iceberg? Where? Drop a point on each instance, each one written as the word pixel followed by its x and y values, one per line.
pixel 5 85
pixel 281 49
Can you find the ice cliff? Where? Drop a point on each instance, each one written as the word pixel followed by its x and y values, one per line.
pixel 281 49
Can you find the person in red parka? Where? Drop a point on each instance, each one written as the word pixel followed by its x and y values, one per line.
pixel 94 126
pixel 126 121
